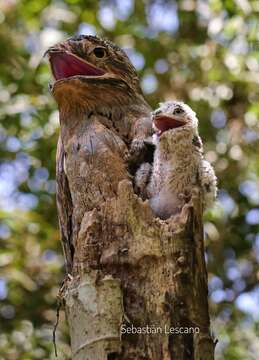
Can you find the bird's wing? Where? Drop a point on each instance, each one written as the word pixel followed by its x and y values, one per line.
pixel 142 178
pixel 64 206
pixel 208 183
pixel 197 142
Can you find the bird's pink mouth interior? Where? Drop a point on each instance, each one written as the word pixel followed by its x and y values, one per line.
pixel 65 65
pixel 164 123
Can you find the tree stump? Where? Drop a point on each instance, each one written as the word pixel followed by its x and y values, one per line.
pixel 132 270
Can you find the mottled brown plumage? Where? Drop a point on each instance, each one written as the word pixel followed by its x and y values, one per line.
pixel 104 121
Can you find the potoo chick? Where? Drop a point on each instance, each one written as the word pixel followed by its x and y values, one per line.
pixel 179 164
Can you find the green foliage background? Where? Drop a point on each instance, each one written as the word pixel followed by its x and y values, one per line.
pixel 204 52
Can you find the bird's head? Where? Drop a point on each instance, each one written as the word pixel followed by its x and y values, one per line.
pixel 174 120
pixel 88 70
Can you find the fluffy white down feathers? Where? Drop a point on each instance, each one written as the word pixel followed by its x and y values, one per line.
pixel 179 164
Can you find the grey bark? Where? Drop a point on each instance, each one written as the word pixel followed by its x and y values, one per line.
pixel 129 268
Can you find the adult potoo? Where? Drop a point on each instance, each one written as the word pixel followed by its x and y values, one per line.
pixel 179 164
pixel 104 120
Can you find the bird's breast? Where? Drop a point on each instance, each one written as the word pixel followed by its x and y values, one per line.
pixel 94 163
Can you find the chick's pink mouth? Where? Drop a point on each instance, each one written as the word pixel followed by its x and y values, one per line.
pixel 164 123
pixel 65 65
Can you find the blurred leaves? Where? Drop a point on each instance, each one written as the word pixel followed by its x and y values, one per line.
pixel 205 53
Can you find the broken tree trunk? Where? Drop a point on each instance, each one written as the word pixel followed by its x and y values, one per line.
pixel 138 288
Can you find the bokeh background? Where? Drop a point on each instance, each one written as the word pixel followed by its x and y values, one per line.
pixel 204 52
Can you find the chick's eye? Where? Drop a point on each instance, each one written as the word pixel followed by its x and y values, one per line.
pixel 178 111
pixel 99 52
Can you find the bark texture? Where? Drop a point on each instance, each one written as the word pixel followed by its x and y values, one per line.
pixel 129 268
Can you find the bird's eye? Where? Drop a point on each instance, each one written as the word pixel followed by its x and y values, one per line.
pixel 99 52
pixel 178 111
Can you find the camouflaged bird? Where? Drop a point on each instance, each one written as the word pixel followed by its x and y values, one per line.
pixel 179 164
pixel 104 120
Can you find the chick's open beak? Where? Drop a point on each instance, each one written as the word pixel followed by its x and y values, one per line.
pixel 164 122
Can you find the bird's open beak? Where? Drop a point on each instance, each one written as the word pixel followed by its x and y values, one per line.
pixel 64 65
pixel 164 122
